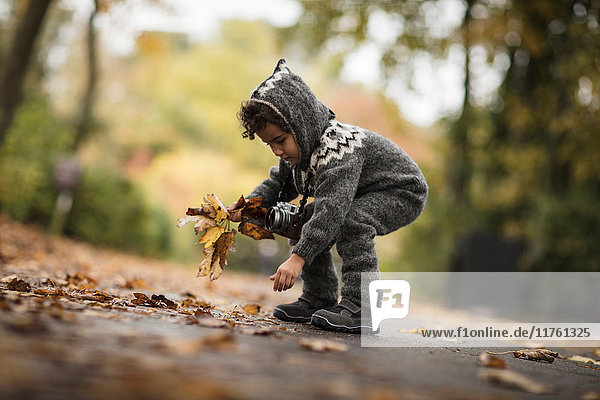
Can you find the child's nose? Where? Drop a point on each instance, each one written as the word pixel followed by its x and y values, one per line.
pixel 277 151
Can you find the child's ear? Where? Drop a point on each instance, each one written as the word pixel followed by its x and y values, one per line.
pixel 281 66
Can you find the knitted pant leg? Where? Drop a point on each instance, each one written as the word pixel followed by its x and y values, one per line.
pixel 320 279
pixel 377 213
pixel 356 247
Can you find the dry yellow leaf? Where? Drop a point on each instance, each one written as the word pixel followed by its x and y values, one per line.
pixel 218 206
pixel 215 255
pixel 252 309
pixel 211 236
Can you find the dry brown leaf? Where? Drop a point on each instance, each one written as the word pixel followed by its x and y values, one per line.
pixel 203 224
pixel 205 266
pixel 597 352
pixel 50 293
pixel 215 258
pixel 252 309
pixel 161 301
pixel 81 281
pixel 322 345
pixel 19 285
pixel 536 354
pixel 239 205
pixel 218 206
pixel 253 210
pixel 205 210
pixel 254 231
pixel 489 361
pixel 513 379
pixel 95 295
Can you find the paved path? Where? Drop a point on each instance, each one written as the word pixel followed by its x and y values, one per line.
pixel 79 331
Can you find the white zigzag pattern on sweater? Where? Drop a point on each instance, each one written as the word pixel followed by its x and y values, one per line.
pixel 337 141
pixel 270 83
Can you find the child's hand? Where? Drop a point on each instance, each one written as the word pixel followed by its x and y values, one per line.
pixel 234 217
pixel 287 273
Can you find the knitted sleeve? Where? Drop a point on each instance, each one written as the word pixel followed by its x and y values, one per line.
pixel 269 188
pixel 335 187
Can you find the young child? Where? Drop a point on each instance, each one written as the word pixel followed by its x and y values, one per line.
pixel 363 185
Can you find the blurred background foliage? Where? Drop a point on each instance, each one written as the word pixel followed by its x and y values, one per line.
pixel 154 130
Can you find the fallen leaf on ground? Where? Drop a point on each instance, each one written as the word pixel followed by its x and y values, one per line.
pixel 536 354
pixel 512 379
pixel 583 359
pixel 50 293
pixel 94 295
pixel 252 309
pixel 81 281
pixel 8 278
pixel 489 361
pixel 206 319
pixel 262 331
pixel 322 345
pixel 597 352
pixel 162 302
pixel 19 285
pixel 157 301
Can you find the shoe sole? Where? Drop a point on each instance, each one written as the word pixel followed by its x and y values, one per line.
pixel 323 323
pixel 282 315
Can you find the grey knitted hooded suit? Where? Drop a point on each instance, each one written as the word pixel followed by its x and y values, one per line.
pixel 363 185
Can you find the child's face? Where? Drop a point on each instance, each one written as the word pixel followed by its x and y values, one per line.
pixel 282 144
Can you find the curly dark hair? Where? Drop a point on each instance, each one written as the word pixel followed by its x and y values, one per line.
pixel 254 116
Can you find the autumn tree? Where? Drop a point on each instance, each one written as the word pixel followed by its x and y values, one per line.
pixel 522 156
pixel 17 60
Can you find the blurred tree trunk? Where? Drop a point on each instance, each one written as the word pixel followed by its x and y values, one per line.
pixel 17 61
pixel 83 127
pixel 459 166
pixel 85 117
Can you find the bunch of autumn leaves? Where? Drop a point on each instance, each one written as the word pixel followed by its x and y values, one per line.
pixel 214 220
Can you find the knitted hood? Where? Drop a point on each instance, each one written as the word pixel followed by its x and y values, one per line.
pixel 288 95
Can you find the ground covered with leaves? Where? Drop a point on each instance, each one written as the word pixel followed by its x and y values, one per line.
pixel 81 322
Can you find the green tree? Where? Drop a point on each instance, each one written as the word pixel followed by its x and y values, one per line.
pixel 521 163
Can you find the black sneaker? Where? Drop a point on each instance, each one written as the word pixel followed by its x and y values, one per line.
pixel 344 317
pixel 301 310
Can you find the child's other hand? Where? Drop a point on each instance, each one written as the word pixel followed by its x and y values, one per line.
pixel 287 273
pixel 234 217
